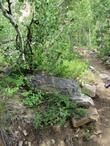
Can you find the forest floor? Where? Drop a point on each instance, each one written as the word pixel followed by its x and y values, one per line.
pixel 26 135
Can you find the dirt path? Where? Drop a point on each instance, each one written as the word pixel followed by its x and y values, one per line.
pixel 103 100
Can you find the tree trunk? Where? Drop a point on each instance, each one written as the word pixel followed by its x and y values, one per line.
pixel 15 26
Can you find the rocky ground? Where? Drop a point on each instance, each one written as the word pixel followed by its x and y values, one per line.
pixel 95 84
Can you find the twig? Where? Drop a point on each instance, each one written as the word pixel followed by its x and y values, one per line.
pixel 4 137
pixel 9 7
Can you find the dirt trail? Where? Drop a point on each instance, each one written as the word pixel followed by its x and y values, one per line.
pixel 103 100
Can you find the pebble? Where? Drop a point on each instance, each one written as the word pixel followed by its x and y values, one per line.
pixel 26 142
pixel 53 141
pixel 25 133
pixel 16 133
pixel 20 143
pixel 29 144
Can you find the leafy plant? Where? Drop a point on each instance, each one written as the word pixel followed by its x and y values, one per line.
pixel 56 109
pixel 32 99
pixel 11 91
pixel 11 84
pixel 75 68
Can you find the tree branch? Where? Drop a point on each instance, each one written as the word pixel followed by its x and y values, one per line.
pixel 9 7
pixel 9 16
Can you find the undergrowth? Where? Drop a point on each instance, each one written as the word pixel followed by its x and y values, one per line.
pixel 57 110
pixel 50 108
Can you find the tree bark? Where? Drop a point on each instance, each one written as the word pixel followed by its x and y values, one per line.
pixel 15 26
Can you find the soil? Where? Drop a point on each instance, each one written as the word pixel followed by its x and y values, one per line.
pixel 102 101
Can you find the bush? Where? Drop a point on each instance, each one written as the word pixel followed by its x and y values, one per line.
pixel 32 99
pixel 75 68
pixel 56 110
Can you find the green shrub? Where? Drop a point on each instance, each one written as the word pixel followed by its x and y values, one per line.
pixel 56 109
pixel 32 99
pixel 75 68
pixel 11 84
pixel 103 41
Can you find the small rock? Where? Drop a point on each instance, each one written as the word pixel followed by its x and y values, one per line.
pixel 20 143
pixel 80 122
pixel 29 144
pixel 104 77
pixel 89 90
pixel 92 115
pixel 16 133
pixel 92 69
pixel 61 143
pixel 83 100
pixel 25 133
pixel 57 128
pixel 66 124
pixel 19 127
pixel 98 132
pixel 53 141
pixel 92 137
pixel 25 142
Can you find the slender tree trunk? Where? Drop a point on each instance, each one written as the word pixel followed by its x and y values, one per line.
pixel 10 17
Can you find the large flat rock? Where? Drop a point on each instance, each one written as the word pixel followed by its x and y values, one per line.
pixel 66 86
pixel 51 83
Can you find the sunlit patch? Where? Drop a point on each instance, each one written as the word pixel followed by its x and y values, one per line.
pixel 25 11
